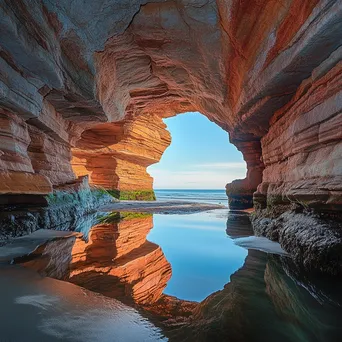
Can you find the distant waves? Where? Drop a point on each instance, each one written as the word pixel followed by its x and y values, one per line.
pixel 202 196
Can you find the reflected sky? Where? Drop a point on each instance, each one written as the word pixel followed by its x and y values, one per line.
pixel 269 298
pixel 202 256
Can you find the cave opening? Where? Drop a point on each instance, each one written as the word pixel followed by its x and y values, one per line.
pixel 128 159
pixel 200 156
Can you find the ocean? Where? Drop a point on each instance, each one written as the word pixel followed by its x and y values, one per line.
pixel 197 195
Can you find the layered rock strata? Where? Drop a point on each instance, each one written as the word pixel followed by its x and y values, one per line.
pixel 268 72
pixel 62 209
pixel 116 155
pixel 301 195
pixel 240 191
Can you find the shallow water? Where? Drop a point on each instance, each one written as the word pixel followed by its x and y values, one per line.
pixel 201 254
pixel 197 277
pixel 44 309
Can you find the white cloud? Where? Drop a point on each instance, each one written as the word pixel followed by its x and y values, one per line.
pixel 200 176
pixel 235 165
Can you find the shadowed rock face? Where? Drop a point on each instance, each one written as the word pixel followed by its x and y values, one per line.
pixel 267 297
pixel 83 88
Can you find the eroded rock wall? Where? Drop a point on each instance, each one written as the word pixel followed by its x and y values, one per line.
pixel 299 202
pixel 238 62
pixel 116 155
pixel 76 75
pixel 302 151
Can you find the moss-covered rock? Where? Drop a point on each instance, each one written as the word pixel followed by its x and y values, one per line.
pixel 63 210
pixel 240 202
pixel 131 195
pixel 116 217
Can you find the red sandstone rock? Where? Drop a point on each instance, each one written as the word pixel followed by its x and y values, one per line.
pixel 98 80
pixel 23 182
pixel 14 143
pixel 116 155
pixel 302 151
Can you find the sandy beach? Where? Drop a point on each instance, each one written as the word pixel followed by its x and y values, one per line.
pixel 161 207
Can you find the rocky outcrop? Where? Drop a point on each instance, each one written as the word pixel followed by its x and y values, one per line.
pixel 63 209
pixel 300 195
pixel 314 242
pixel 301 151
pixel 240 191
pixel 14 141
pixel 116 155
pixel 268 72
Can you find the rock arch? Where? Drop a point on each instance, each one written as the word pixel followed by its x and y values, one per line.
pixel 268 72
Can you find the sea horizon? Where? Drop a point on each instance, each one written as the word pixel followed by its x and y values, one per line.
pixel 187 189
pixel 213 196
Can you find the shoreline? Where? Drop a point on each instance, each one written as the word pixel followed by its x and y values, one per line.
pixel 161 207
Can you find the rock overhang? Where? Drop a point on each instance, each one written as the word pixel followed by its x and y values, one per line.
pixel 86 84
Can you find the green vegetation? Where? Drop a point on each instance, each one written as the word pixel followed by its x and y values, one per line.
pixel 132 215
pixel 100 193
pixel 131 195
pixel 110 218
pixel 116 217
pixel 114 193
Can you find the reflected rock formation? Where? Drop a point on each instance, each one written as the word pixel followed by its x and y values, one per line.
pixel 260 303
pixel 116 260
pixel 238 224
pixel 266 298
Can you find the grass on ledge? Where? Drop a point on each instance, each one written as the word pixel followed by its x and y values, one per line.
pixel 116 217
pixel 133 195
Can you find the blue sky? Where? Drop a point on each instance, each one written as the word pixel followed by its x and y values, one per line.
pixel 199 157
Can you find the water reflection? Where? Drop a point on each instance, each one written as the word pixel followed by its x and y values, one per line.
pixel 202 256
pixel 264 297
pixel 114 259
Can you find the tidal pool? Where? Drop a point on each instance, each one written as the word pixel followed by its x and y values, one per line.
pixel 190 277
pixel 201 254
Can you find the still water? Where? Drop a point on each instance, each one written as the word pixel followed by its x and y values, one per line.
pixel 198 268
pixel 185 278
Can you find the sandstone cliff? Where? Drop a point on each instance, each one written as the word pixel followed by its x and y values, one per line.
pixel 116 155
pixel 84 85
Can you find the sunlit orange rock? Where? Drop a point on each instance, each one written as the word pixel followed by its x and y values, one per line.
pixel 116 155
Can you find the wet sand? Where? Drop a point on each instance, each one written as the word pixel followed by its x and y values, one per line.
pixel 44 309
pixel 161 207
